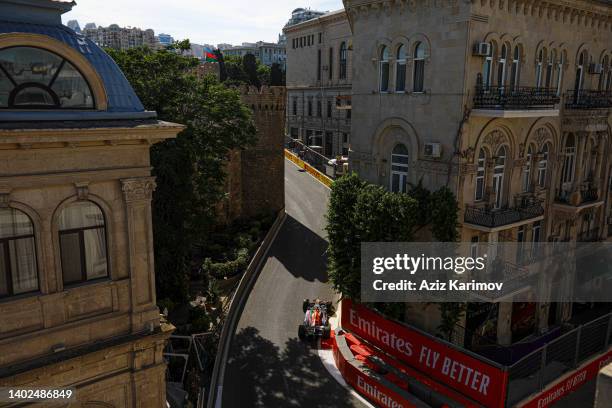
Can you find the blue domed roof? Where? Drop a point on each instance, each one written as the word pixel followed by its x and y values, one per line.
pixel 122 100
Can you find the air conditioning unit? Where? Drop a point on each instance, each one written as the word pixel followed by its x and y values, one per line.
pixel 482 49
pixel 596 69
pixel 433 150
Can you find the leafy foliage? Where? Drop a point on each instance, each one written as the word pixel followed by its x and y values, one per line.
pixel 361 212
pixel 189 169
pixel 248 70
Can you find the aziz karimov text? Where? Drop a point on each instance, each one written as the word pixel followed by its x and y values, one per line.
pixel 452 285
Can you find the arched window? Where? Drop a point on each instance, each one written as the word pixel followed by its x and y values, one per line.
pixel 543 166
pixel 560 65
pixel 498 176
pixel 384 69
pixel 18 270
pixel 515 76
pixel 527 170
pixel 550 69
pixel 82 236
pixel 579 82
pixel 343 60
pixel 487 69
pixel 418 78
pixel 608 75
pixel 605 63
pixel 569 161
pixel 540 67
pixel 33 78
pixel 400 69
pixel 399 169
pixel 480 175
pixel 501 66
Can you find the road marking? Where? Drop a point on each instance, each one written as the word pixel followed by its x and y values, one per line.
pixel 327 358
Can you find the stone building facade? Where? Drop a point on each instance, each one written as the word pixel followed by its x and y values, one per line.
pixel 506 102
pixel 256 175
pixel 121 38
pixel 77 283
pixel 319 78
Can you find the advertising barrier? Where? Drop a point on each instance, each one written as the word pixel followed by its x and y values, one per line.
pixel 367 386
pixel 309 169
pixel 569 383
pixel 479 380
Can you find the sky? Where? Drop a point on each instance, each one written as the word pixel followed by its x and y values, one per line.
pixel 202 21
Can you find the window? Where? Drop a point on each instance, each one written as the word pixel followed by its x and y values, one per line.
pixel 294 107
pixel 320 38
pixel 319 108
pixel 309 107
pixel 345 144
pixel 331 63
pixel 18 270
pixel 498 177
pixel 560 64
pixel 384 70
pixel 501 66
pixel 329 144
pixel 343 60
pixel 543 166
pixel 418 78
pixel 399 169
pixel 540 68
pixel 400 69
pixel 569 160
pixel 480 175
pixel 579 82
pixel 527 170
pixel 82 235
pixel 515 76
pixel 474 246
pixel 295 133
pixel 608 74
pixel 33 78
pixel 329 108
pixel 602 78
pixel 487 69
pixel 318 65
pixel 550 72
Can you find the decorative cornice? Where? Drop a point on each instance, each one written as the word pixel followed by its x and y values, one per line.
pixel 138 189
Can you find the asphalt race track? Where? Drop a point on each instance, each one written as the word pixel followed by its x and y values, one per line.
pixel 268 366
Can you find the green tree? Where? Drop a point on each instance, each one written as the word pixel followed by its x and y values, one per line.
pixel 277 76
pixel 249 66
pixel 361 212
pixel 189 169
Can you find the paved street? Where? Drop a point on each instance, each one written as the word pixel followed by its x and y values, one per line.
pixel 268 365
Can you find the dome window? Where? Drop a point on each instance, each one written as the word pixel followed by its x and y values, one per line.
pixel 33 78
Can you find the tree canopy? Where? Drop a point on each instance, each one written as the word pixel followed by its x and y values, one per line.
pixel 362 212
pixel 189 169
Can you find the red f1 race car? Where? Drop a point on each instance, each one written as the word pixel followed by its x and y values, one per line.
pixel 316 319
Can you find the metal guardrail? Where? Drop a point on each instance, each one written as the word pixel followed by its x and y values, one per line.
pixel 237 304
pixel 313 157
pixel 588 99
pixel 515 98
pixel 535 371
pixel 491 218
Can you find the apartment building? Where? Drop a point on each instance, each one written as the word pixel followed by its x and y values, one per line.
pixel 120 38
pixel 319 79
pixel 506 102
pixel 267 53
pixel 77 280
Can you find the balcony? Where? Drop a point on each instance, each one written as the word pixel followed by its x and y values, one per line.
pixel 491 219
pixel 505 101
pixel 588 99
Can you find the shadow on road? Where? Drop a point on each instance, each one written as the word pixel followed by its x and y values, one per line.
pixel 294 377
pixel 301 251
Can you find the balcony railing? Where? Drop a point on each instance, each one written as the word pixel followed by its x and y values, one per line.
pixel 587 195
pixel 588 99
pixel 515 98
pixel 491 218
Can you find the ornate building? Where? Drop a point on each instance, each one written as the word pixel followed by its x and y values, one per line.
pixel 319 74
pixel 506 102
pixel 77 283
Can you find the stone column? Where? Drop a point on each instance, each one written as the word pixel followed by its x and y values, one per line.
pixel 137 194
pixel 581 141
